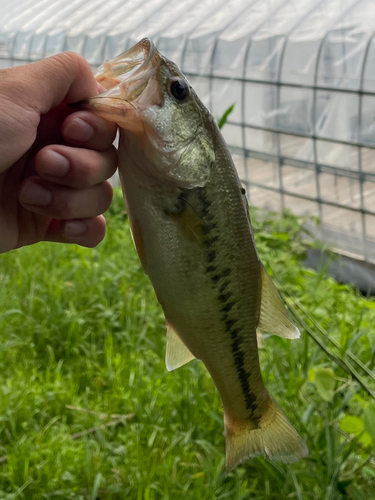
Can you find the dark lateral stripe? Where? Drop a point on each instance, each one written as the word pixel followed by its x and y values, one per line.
pixel 228 306
pixel 181 202
pixel 207 228
pixel 208 242
pixel 211 256
pixel 202 196
pixel 229 323
pixel 223 297
pixel 219 275
pixel 223 285
pixel 243 375
pixel 238 355
pixel 179 206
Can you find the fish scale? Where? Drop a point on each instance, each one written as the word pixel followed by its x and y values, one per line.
pixel 227 294
pixel 192 230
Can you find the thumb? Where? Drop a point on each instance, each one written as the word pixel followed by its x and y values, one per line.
pixel 43 85
pixel 26 92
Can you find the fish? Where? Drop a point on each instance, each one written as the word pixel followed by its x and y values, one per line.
pixel 191 227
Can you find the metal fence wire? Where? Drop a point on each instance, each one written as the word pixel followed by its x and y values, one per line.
pixel 301 74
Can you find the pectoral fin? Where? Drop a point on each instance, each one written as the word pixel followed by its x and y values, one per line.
pixel 136 232
pixel 177 353
pixel 274 317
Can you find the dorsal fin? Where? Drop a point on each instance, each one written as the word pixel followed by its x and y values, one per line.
pixel 274 317
pixel 177 353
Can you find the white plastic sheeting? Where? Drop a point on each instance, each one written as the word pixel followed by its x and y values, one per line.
pixel 300 72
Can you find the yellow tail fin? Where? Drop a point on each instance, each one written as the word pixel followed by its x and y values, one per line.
pixel 275 437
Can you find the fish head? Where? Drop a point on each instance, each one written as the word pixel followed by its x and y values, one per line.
pixel 161 118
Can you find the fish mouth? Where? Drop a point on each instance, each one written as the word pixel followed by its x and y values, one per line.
pixel 127 75
pixel 125 79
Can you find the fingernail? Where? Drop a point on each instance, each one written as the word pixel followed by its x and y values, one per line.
pixel 78 130
pixel 74 228
pixel 33 193
pixel 101 88
pixel 54 164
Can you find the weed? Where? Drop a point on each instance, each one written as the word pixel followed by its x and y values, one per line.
pixel 82 328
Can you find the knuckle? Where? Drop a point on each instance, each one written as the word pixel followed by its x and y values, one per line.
pixel 108 162
pixel 105 130
pixel 69 59
pixel 11 73
pixel 86 168
pixel 73 56
pixel 105 196
pixel 71 63
pixel 92 167
pixel 63 207
pixel 13 84
pixel 113 158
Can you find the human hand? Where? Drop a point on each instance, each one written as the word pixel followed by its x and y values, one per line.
pixel 54 163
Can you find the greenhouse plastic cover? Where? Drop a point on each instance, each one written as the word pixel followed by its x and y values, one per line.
pixel 300 72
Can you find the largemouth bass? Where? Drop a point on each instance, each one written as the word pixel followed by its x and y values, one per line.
pixel 191 227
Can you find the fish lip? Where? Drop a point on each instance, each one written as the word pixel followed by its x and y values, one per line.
pixel 134 58
pixel 114 109
pixel 125 78
pixel 127 75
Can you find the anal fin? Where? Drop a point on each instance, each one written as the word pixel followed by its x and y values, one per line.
pixel 274 317
pixel 177 353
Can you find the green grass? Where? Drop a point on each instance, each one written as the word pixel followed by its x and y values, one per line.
pixel 82 328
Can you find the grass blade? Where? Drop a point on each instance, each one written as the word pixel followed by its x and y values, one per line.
pixel 224 118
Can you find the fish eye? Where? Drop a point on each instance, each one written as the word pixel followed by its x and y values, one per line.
pixel 179 89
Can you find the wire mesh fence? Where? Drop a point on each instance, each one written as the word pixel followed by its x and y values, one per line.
pixel 301 74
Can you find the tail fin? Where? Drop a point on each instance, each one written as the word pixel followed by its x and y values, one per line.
pixel 275 437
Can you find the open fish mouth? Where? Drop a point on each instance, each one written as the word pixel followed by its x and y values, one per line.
pixel 127 74
pixel 125 77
